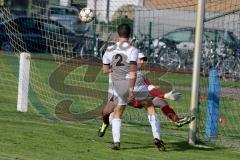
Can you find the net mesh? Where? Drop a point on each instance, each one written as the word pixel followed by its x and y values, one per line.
pixel 223 16
pixel 66 79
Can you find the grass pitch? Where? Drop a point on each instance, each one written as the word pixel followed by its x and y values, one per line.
pixel 30 136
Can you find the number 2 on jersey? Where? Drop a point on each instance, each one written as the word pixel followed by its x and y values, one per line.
pixel 119 61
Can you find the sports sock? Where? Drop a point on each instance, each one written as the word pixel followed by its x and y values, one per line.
pixel 169 112
pixel 155 124
pixel 116 126
pixel 111 116
pixel 105 118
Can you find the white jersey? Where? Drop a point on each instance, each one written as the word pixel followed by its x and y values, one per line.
pixel 119 56
pixel 140 82
pixel 141 91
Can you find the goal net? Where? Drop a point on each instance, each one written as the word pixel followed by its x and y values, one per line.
pixel 66 80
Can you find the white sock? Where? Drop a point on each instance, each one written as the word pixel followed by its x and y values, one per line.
pixel 155 124
pixel 111 116
pixel 116 126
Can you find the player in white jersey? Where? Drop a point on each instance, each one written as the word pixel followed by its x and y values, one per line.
pixel 140 93
pixel 122 57
pixel 143 90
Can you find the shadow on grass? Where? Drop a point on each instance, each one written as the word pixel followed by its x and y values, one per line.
pixel 184 146
pixel 133 145
pixel 138 147
pixel 170 146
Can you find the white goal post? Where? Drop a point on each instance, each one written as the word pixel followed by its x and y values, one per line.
pixel 196 71
pixel 24 71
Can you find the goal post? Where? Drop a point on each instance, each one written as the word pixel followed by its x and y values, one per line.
pixel 23 83
pixel 196 70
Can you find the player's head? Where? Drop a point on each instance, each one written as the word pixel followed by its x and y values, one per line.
pixel 142 57
pixel 141 60
pixel 124 31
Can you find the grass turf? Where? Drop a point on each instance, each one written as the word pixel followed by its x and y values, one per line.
pixel 30 136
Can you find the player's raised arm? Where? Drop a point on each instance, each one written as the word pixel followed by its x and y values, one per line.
pixel 172 95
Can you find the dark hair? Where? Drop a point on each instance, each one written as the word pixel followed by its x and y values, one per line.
pixel 124 30
pixel 144 58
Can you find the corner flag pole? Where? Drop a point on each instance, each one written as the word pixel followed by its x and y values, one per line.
pixel 196 70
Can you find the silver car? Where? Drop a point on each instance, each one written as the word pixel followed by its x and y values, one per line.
pixel 68 16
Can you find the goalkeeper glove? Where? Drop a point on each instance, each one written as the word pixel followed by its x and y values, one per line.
pixel 173 95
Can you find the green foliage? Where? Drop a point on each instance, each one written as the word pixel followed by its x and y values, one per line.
pixel 79 1
pixel 112 26
pixel 54 1
pixel 119 20
pixel 73 1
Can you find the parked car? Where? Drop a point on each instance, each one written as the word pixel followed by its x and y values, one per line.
pixel 184 38
pixel 39 35
pixel 181 43
pixel 68 16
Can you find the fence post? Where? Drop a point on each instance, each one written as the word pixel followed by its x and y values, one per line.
pixel 149 39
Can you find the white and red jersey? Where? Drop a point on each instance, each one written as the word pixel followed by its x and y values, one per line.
pixel 144 89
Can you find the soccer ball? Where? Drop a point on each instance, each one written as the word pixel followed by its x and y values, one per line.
pixel 222 120
pixel 86 15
